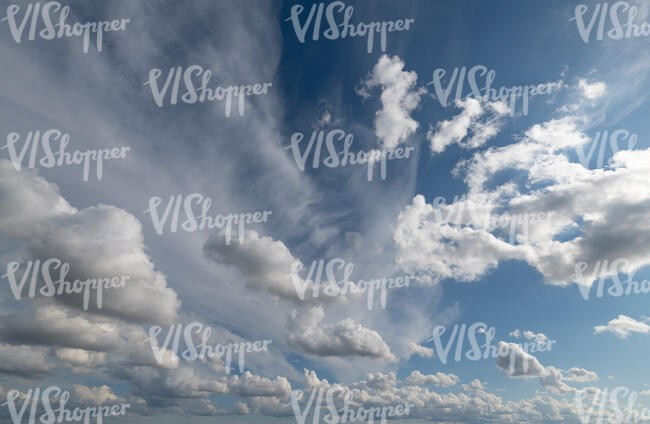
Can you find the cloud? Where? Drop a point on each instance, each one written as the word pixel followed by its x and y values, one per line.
pixel 441 250
pixel 566 193
pixel 248 385
pixel 480 121
pixel 579 375
pixel 53 325
pixel 517 363
pixel 623 326
pixel 399 97
pixel 439 379
pixel 25 361
pixel 92 396
pixel 345 338
pixel 592 90
pixel 100 241
pixel 265 264
pixel 417 349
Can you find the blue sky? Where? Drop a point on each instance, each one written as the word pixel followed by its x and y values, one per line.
pixel 472 152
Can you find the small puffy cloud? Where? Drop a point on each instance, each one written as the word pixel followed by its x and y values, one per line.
pixel 93 396
pixel 266 265
pixel 517 363
pixel 592 90
pixel 248 385
pixel 580 375
pixel 399 97
pixel 623 326
pixel 476 124
pixel 345 338
pixel 417 349
pixel 439 379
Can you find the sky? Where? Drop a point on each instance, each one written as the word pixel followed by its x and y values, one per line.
pixel 491 212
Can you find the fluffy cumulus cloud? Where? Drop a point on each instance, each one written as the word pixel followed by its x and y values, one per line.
pixel 438 379
pixel 470 402
pixel 475 125
pixel 100 241
pixel 248 385
pixel 466 238
pixel 623 326
pixel 592 90
pixel 309 334
pixel 264 263
pixel 418 349
pixel 399 97
pixel 517 363
pixel 580 375
pixel 437 249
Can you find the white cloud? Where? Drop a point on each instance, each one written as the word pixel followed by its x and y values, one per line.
pixel 100 241
pixel 417 349
pixel 580 375
pixel 623 326
pixel 570 196
pixel 252 385
pixel 345 338
pixel 439 379
pixel 480 121
pixel 399 97
pixel 592 90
